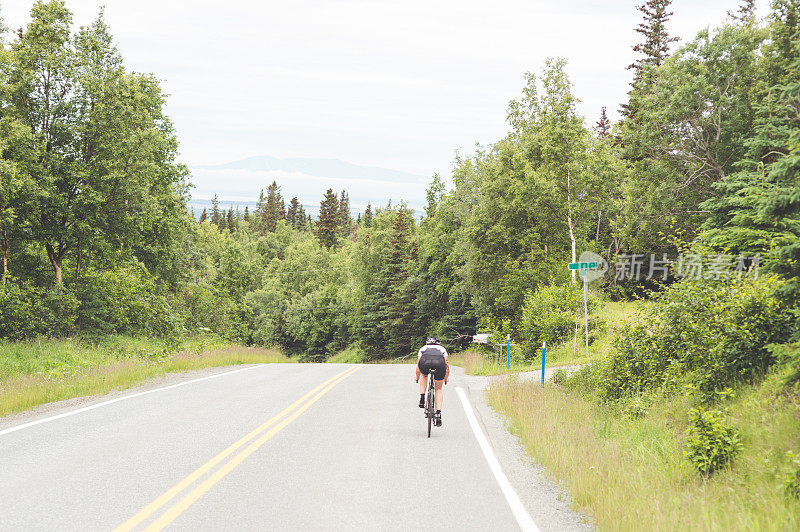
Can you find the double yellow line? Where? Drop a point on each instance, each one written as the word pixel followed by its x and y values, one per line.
pixel 275 425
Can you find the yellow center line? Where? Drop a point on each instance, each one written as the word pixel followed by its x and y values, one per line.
pixel 190 498
pixel 151 508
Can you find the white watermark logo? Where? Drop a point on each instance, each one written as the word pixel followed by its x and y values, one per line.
pixel 637 266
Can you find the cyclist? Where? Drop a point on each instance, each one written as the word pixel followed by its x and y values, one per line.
pixel 432 356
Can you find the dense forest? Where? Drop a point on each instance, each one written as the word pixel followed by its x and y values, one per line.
pixel 97 238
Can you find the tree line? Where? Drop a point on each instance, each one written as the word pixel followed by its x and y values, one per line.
pixel 97 237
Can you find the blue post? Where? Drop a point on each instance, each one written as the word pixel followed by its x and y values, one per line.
pixel 508 351
pixel 543 351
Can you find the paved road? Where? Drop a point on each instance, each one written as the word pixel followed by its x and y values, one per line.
pixel 352 454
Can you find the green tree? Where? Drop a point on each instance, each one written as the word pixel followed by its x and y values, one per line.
pixel 105 177
pixel 433 195
pixel 367 218
pixel 328 222
pixel 345 219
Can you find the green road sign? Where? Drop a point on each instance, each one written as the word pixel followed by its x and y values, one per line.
pixel 582 265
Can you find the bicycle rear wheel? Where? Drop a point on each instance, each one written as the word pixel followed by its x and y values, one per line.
pixel 431 408
pixel 430 421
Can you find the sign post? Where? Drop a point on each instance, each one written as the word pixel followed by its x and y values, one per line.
pixel 584 268
pixel 544 346
pixel 508 351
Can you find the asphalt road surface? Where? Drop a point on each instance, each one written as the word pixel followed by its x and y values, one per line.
pixel 279 446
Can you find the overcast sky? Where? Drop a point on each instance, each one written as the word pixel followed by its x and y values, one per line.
pixel 395 84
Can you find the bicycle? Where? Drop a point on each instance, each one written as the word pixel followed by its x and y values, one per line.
pixel 430 400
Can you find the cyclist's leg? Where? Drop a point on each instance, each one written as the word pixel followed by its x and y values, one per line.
pixel 439 393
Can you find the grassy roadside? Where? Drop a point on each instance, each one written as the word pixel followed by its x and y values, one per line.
pixel 46 370
pixel 630 473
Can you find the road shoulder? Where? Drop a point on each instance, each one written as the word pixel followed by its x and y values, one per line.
pixel 549 504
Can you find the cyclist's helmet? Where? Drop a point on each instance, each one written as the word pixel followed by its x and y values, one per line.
pixel 432 341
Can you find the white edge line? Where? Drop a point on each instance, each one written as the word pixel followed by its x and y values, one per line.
pixel 517 508
pixel 123 398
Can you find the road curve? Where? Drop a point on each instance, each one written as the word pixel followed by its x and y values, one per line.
pixel 286 446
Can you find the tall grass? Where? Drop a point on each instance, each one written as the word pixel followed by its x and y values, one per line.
pixel 42 371
pixel 632 474
pixel 573 351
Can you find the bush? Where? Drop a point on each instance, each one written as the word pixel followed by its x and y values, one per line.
pixel 27 311
pixel 788 356
pixel 551 314
pixel 791 481
pixel 709 333
pixel 126 300
pixel 351 355
pixel 711 441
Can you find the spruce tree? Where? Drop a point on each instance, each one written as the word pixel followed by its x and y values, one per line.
pixel 259 213
pixel 203 216
pixel 294 214
pixel 367 219
pixel 757 209
pixel 247 214
pixel 229 220
pixel 328 222
pixel 654 48
pixel 345 220
pixel 274 208
pixel 215 214
pixel 603 126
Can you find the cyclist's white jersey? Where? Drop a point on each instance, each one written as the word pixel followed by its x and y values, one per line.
pixel 432 349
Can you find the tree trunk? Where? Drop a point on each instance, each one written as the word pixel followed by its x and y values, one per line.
pixel 79 263
pixel 5 253
pixel 569 224
pixel 597 236
pixel 55 260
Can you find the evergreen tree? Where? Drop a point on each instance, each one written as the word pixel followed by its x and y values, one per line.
pixel 215 213
pixel 203 216
pixel 328 222
pixel 294 214
pixel 345 220
pixel 388 326
pixel 247 214
pixel 758 208
pixel 654 48
pixel 746 11
pixel 368 216
pixel 274 208
pixel 603 127
pixel 260 212
pixel 229 220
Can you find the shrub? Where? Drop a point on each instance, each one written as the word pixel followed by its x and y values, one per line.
pixel 788 356
pixel 27 311
pixel 791 481
pixel 711 441
pixel 709 333
pixel 126 300
pixel 551 314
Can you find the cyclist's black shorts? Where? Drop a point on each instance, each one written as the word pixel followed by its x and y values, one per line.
pixel 437 362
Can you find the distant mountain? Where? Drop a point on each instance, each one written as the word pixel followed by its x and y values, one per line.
pixel 333 168
pixel 238 183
